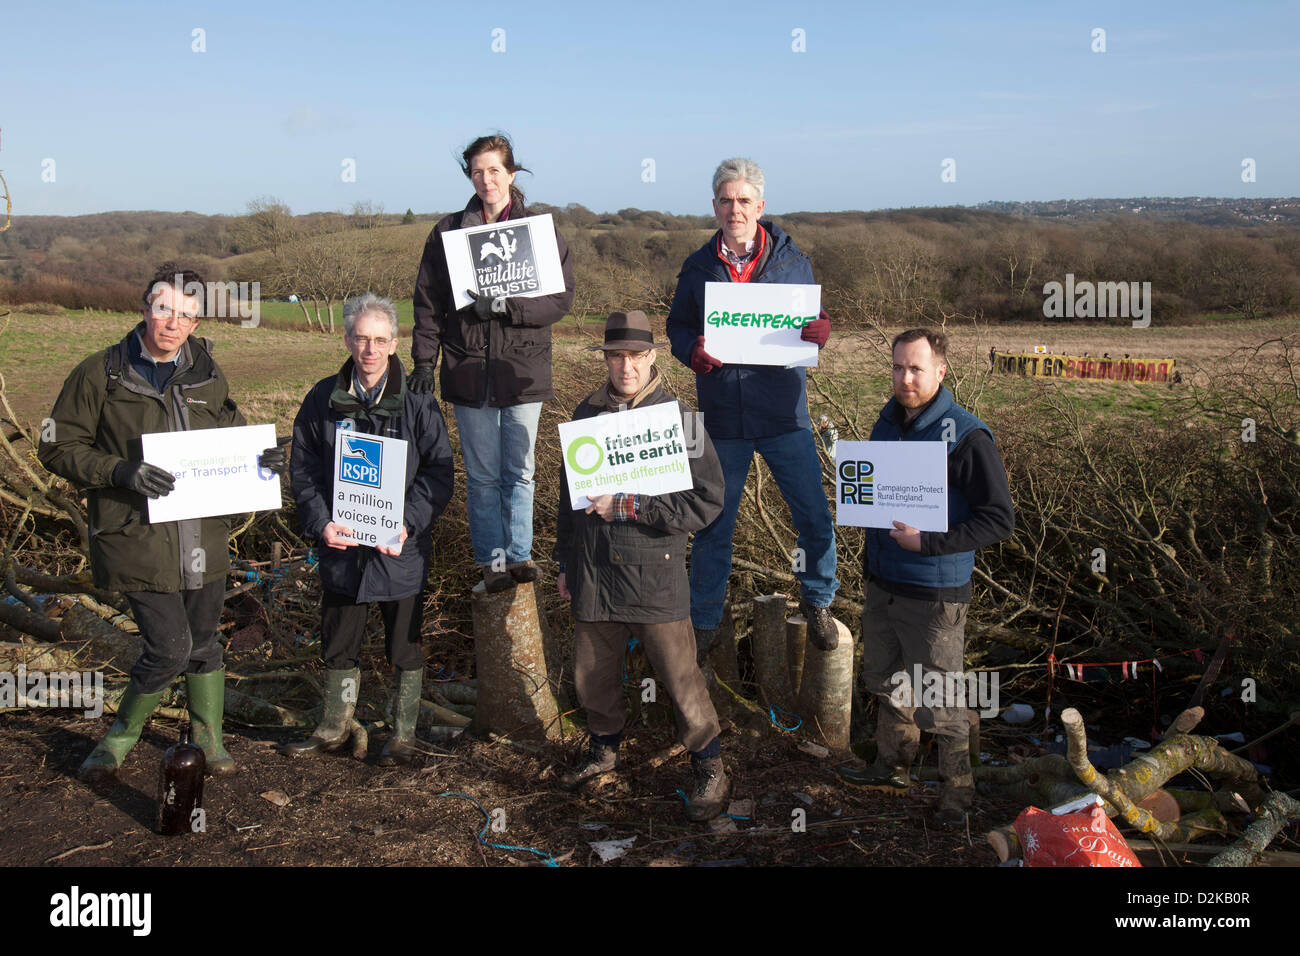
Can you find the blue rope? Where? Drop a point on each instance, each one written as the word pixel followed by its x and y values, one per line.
pixel 771 715
pixel 487 821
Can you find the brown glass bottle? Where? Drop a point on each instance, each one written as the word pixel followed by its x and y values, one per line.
pixel 180 785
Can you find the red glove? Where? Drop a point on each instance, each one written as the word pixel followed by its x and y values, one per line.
pixel 701 361
pixel 818 330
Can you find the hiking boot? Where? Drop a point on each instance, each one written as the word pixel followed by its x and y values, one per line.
pixel 206 694
pixel 710 789
pixel 497 581
pixel 405 706
pixel 887 778
pixel 522 571
pixel 132 711
pixel 599 758
pixel 335 727
pixel 821 626
pixel 705 639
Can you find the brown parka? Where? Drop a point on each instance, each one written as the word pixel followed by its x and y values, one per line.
pixel 635 571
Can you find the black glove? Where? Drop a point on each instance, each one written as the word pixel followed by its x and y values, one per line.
pixel 275 459
pixel 421 379
pixel 483 305
pixel 143 478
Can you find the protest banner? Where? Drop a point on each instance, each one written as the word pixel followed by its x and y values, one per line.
pixel 370 487
pixel 760 323
pixel 1140 370
pixel 515 258
pixel 880 482
pixel 216 472
pixel 641 451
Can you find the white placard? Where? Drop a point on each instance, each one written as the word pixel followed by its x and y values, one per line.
pixel 216 472
pixel 640 451
pixel 512 258
pixel 370 487
pixel 880 482
pixel 759 323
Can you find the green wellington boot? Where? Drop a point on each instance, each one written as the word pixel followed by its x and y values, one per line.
pixel 132 711
pixel 400 747
pixel 207 698
pixel 335 727
pixel 882 776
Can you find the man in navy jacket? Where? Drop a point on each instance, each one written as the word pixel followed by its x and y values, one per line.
pixel 369 396
pixel 917 583
pixel 749 408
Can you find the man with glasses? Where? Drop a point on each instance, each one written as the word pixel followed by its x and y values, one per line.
pixel 160 378
pixel 623 569
pixel 754 408
pixel 369 395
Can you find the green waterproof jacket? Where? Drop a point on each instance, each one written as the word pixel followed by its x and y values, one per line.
pixel 98 418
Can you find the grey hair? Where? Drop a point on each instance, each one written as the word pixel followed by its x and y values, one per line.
pixel 354 309
pixel 729 170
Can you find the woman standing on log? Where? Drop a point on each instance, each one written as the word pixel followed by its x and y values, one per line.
pixel 496 369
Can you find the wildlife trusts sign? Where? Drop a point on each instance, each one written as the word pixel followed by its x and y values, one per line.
pixel 514 258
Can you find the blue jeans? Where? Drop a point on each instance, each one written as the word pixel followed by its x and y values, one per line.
pixel 498 447
pixel 793 461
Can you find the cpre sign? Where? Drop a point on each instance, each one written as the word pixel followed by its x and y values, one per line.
pixel 880 482
pixel 760 323
pixel 370 487
pixel 641 451
pixel 513 258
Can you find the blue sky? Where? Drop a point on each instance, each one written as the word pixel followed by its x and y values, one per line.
pixel 134 118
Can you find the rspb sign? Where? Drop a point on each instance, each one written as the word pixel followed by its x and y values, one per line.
pixel 370 487
pixel 880 482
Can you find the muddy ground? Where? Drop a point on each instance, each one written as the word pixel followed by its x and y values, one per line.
pixel 344 812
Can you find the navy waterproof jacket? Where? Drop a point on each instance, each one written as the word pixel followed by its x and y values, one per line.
pixel 980 512
pixel 362 572
pixel 741 401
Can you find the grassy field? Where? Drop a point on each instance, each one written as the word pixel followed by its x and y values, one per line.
pixel 271 368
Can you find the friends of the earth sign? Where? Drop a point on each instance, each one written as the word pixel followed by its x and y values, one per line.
pixel 760 323
pixel 1146 371
pixel 641 451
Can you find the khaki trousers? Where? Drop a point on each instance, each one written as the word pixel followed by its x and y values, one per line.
pixel 598 654
pixel 898 634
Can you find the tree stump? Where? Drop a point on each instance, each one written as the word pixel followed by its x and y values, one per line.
pixel 826 693
pixel 514 695
pixel 796 639
pixel 769 645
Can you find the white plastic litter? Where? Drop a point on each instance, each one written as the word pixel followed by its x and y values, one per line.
pixel 612 849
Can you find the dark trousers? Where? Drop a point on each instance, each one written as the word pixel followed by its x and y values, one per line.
pixel 179 633
pixel 343 627
pixel 598 652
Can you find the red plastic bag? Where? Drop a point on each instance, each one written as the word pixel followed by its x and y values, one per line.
pixel 1085 838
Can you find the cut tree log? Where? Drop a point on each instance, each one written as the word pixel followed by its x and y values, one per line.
pixel 515 695
pixel 826 695
pixel 1147 773
pixel 769 645
pixel 796 639
pixel 1272 815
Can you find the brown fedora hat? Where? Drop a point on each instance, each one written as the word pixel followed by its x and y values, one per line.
pixel 628 331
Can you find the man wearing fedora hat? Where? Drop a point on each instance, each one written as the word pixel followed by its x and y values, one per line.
pixel 623 568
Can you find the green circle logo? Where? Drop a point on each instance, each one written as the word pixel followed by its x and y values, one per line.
pixel 572 455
